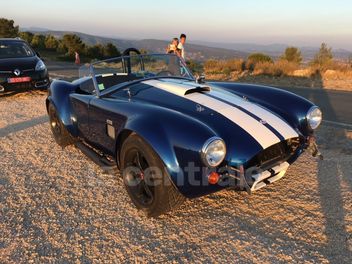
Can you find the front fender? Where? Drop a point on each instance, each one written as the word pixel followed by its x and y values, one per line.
pixel 59 96
pixel 177 139
pixel 289 106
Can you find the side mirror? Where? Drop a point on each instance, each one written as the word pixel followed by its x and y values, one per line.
pixel 38 54
pixel 200 79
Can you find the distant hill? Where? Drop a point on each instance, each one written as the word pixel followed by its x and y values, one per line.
pixel 194 51
pixel 197 50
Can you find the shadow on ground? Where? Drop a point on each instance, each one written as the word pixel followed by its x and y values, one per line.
pixel 331 171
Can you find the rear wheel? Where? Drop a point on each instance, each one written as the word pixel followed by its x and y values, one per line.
pixel 146 179
pixel 60 133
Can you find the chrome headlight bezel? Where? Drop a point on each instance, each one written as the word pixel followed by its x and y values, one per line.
pixel 40 66
pixel 212 145
pixel 314 117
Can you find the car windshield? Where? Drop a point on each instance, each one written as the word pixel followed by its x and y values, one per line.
pixel 15 49
pixel 112 72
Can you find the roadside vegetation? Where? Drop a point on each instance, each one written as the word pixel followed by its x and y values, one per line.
pixel 287 70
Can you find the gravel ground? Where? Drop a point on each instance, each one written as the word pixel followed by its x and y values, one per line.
pixel 57 206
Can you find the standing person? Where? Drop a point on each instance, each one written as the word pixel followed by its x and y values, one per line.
pixel 172 47
pixel 77 58
pixel 181 45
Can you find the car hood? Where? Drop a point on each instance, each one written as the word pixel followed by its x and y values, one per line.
pixel 18 63
pixel 246 127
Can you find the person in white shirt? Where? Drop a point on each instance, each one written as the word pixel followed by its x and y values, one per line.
pixel 181 46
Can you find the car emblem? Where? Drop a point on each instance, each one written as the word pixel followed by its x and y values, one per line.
pixel 200 108
pixel 17 72
pixel 263 122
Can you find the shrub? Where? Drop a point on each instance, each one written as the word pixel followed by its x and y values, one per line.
pixel 224 66
pixel 195 67
pixel 292 54
pixel 26 36
pixel 278 69
pixel 324 56
pixel 51 43
pixel 259 57
pixel 38 41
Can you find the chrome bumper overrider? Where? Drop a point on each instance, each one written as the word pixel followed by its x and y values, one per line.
pixel 269 176
pixel 255 180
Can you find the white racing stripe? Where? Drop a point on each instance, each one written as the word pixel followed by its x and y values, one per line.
pixel 264 136
pixel 277 123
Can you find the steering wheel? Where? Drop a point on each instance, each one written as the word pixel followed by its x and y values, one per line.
pixel 128 52
pixel 165 73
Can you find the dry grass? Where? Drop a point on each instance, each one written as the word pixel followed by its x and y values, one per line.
pixel 335 75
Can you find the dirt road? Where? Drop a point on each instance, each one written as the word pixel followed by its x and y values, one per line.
pixel 58 207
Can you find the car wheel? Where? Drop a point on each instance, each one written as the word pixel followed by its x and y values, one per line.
pixel 146 179
pixel 60 133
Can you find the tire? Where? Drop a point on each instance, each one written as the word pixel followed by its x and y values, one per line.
pixel 154 193
pixel 62 137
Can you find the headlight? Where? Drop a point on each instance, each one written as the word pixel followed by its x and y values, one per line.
pixel 40 66
pixel 214 152
pixel 314 117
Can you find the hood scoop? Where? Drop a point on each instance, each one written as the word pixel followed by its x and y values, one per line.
pixel 179 88
pixel 198 90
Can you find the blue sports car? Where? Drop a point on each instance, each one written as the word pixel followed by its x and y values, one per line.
pixel 174 136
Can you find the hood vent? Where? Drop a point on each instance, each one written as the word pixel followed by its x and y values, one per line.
pixel 178 88
pixel 198 90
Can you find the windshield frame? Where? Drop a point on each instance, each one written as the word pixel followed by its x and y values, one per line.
pixel 89 68
pixel 14 42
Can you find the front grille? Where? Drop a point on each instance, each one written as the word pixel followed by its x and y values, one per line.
pixel 23 72
pixel 279 152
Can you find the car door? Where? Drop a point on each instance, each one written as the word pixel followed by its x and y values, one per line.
pixel 105 122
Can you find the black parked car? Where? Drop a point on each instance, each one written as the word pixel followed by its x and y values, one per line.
pixel 21 67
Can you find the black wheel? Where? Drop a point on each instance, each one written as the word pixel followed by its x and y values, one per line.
pixel 146 179
pixel 61 135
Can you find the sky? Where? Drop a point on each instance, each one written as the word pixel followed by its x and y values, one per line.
pixel 299 22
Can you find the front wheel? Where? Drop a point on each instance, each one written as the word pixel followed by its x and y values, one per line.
pixel 146 179
pixel 62 137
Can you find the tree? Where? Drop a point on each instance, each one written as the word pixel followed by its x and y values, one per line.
pixel 73 43
pixel 95 52
pixel 259 57
pixel 256 58
pixel 324 56
pixel 61 47
pixel 110 51
pixel 26 36
pixel 38 41
pixel 292 54
pixel 7 28
pixel 51 42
